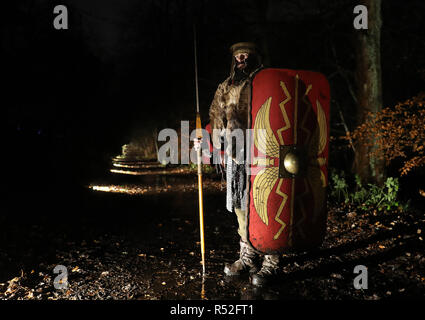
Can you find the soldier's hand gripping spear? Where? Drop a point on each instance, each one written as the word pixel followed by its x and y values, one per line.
pixel 199 159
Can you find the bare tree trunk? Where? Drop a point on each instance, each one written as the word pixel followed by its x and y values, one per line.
pixel 369 86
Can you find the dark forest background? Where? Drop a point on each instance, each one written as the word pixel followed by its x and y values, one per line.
pixel 125 68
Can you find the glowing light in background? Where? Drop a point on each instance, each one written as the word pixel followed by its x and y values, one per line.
pixel 153 172
pixel 135 173
pixel 178 187
pixel 130 189
pixel 130 166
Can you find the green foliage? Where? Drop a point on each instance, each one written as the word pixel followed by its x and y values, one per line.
pixel 367 196
pixel 339 188
pixel 206 168
pixel 360 196
pixel 193 166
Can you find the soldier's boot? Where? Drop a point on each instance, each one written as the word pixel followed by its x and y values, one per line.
pixel 247 262
pixel 269 271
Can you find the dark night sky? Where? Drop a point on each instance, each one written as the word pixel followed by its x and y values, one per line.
pixel 74 97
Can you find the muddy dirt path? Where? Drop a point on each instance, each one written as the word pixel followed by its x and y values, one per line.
pixel 144 245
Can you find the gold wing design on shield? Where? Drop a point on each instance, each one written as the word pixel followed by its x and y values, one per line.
pixel 266 143
pixel 315 174
pixel 264 138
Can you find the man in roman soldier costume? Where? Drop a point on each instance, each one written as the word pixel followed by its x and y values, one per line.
pixel 276 184
pixel 229 111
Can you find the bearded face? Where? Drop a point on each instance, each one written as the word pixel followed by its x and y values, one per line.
pixel 241 60
pixel 243 63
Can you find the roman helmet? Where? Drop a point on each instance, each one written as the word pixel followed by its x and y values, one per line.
pixel 253 61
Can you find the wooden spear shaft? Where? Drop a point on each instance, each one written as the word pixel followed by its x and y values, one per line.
pixel 201 202
pixel 199 160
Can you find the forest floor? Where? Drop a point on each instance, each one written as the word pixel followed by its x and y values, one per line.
pixel 140 240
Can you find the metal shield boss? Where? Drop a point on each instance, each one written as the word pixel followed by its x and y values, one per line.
pixel 288 160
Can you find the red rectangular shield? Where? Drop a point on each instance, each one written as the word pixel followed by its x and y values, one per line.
pixel 288 160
